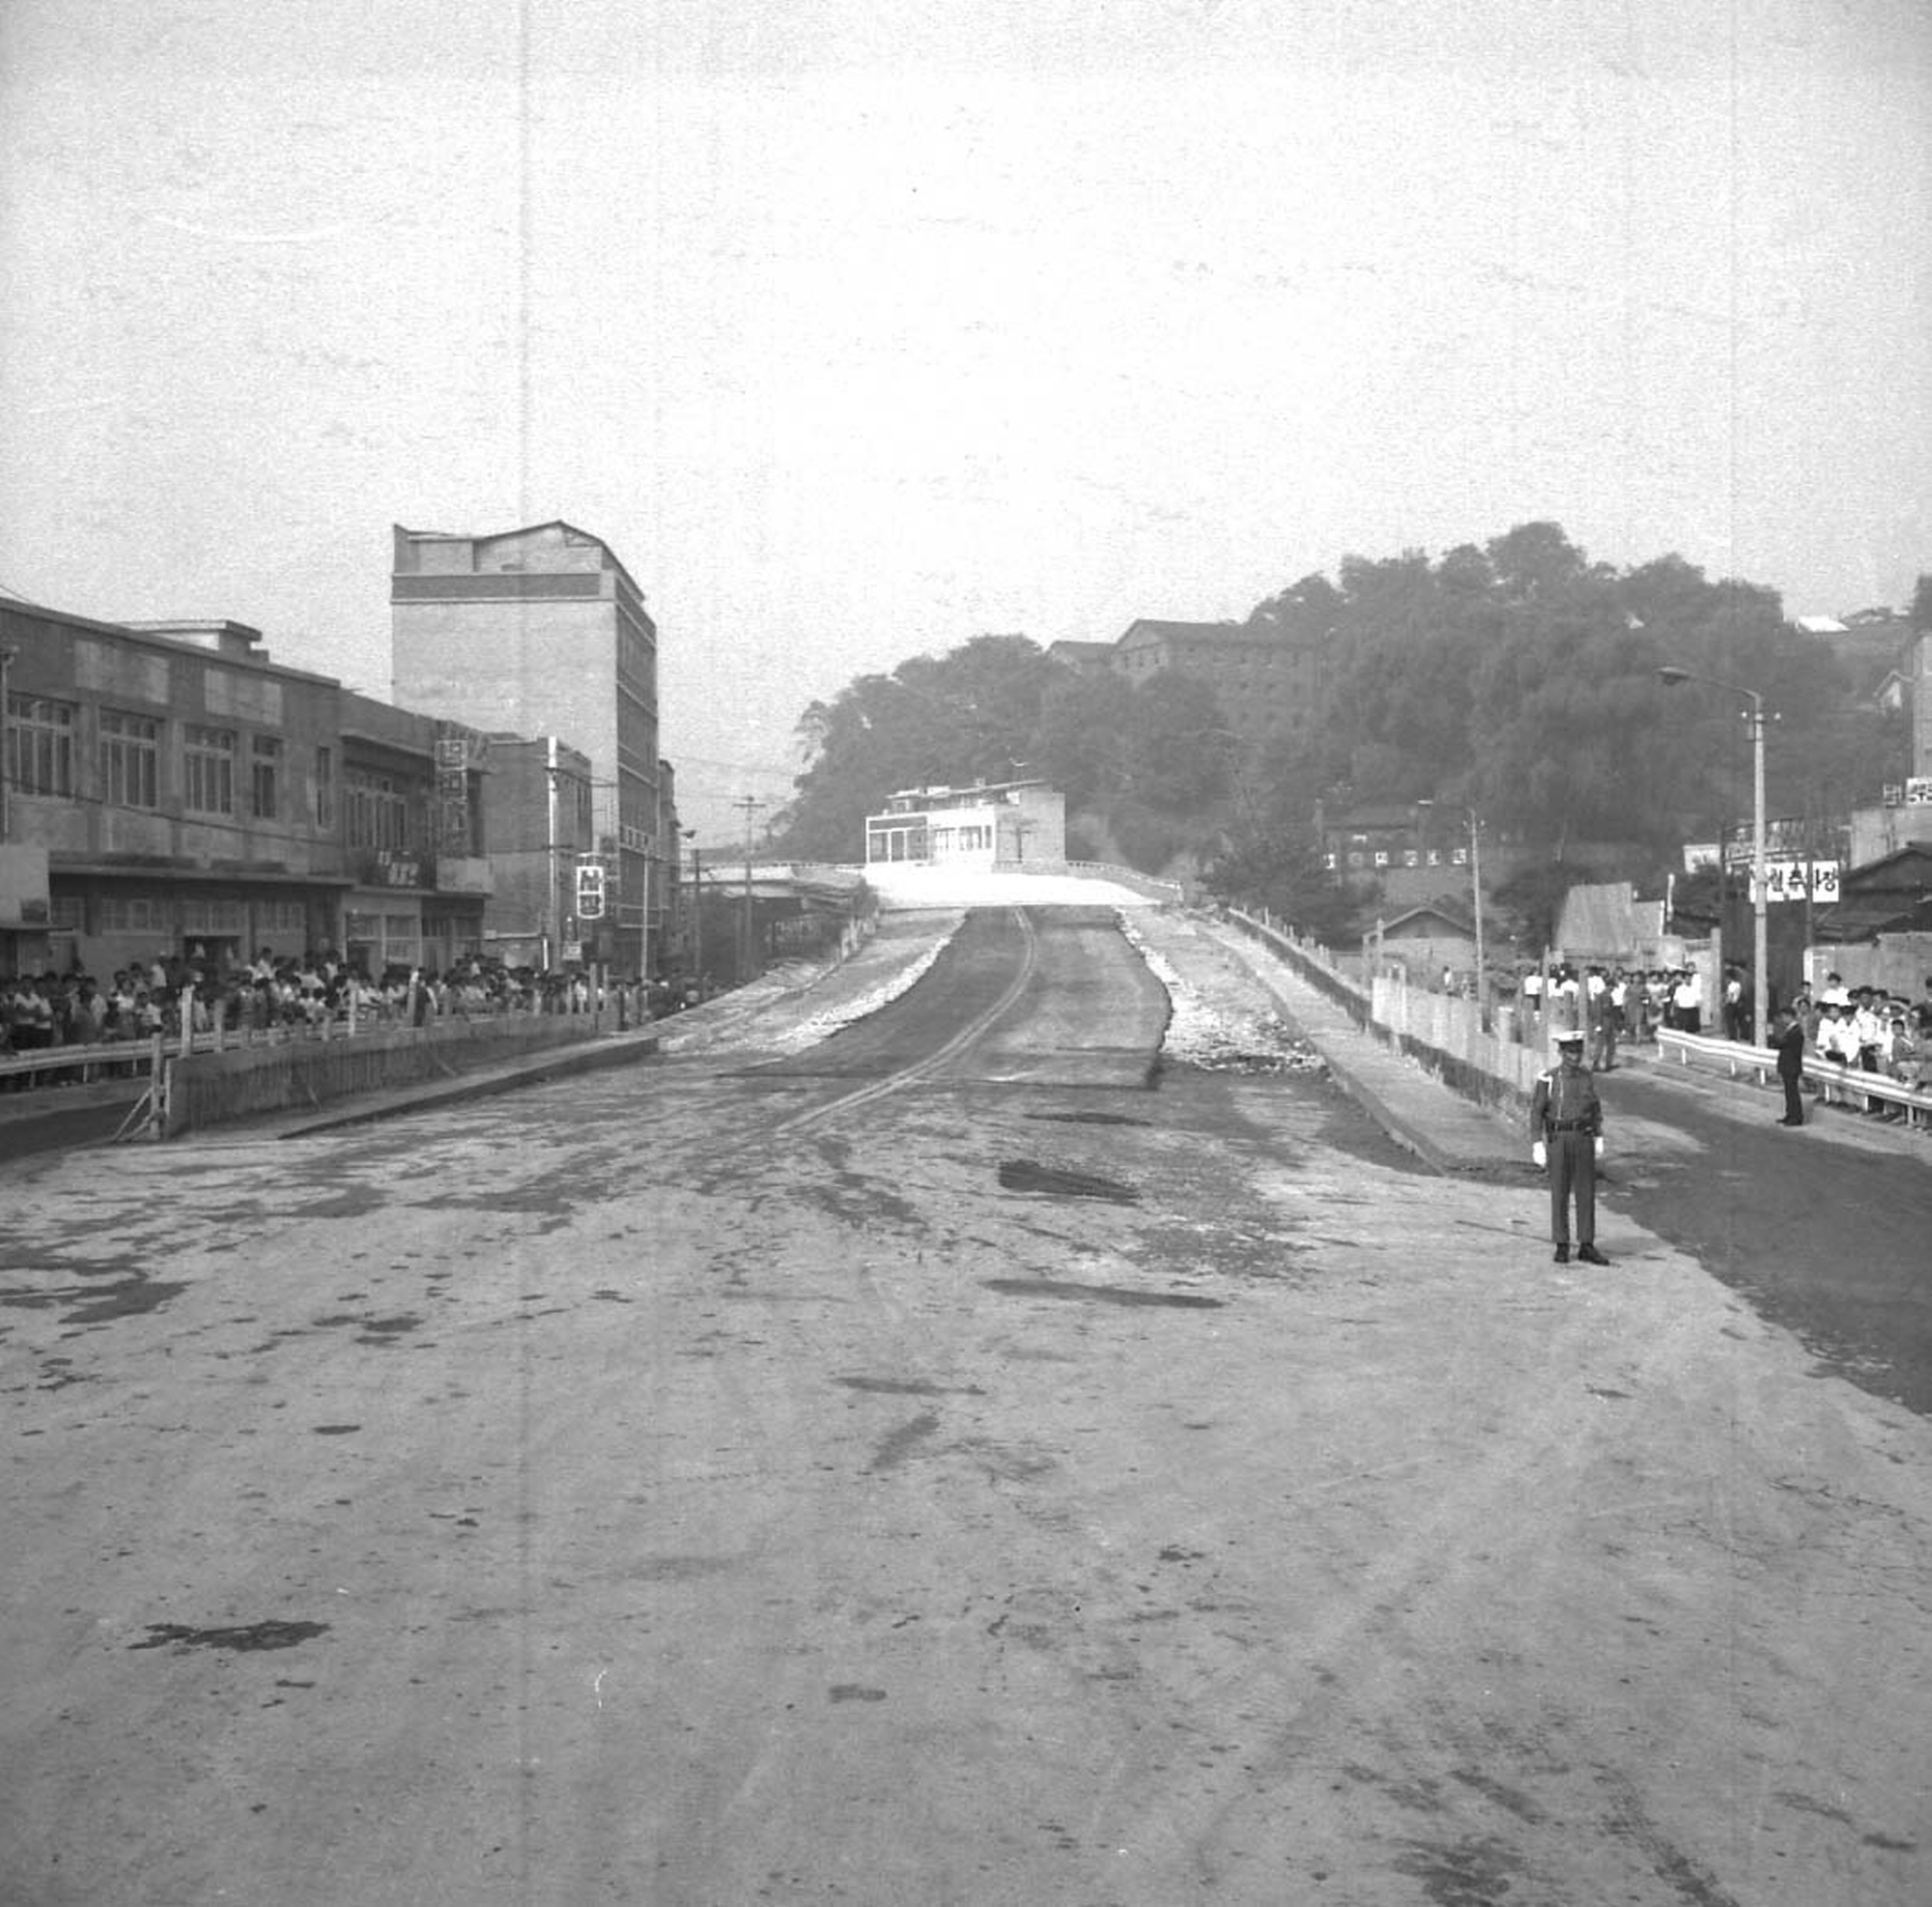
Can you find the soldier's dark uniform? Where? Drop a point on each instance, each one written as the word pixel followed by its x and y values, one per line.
pixel 1566 1115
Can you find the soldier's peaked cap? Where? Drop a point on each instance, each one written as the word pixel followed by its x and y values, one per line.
pixel 1569 1038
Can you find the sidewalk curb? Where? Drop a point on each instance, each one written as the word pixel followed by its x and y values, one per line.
pixel 1413 1134
pixel 593 1056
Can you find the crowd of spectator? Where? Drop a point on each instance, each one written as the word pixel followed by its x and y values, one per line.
pixel 1864 1028
pixel 1867 1029
pixel 1611 1006
pixel 315 994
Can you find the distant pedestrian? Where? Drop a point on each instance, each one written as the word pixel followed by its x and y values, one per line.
pixel 1787 1041
pixel 1735 1016
pixel 1566 1125
pixel 1604 1010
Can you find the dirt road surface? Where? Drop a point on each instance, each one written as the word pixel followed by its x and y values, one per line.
pixel 912 1472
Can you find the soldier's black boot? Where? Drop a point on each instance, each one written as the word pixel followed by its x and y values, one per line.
pixel 1561 1254
pixel 1590 1255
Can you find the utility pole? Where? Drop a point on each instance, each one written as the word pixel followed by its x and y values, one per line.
pixel 7 656
pixel 552 921
pixel 750 804
pixel 697 905
pixel 1476 892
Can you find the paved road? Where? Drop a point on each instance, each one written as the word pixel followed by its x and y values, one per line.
pixel 1831 1240
pixel 877 1480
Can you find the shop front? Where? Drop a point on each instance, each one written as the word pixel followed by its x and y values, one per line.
pixel 106 918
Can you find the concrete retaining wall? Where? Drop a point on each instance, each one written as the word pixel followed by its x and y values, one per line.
pixel 1443 1034
pixel 210 1088
pixel 1440 1032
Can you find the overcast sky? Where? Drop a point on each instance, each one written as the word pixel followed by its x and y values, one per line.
pixel 858 329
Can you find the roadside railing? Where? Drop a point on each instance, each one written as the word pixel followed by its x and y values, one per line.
pixel 147 1063
pixel 148 1060
pixel 1835 1082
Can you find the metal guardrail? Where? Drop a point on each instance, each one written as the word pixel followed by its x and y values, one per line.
pixel 1837 1083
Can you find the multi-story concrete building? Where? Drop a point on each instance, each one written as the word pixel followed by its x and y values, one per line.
pixel 413 836
pixel 542 631
pixel 173 792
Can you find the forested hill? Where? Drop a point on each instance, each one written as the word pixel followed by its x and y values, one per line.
pixel 1517 676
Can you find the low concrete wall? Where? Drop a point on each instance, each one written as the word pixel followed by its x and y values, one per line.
pixel 210 1088
pixel 1313 963
pixel 1444 1034
pixel 1440 1032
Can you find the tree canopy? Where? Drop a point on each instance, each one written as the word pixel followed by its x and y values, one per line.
pixel 1515 675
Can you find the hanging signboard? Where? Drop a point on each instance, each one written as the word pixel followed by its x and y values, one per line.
pixel 590 890
pixel 1785 880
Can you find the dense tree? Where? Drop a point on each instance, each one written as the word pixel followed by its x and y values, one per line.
pixel 1283 871
pixel 1515 675
pixel 956 719
pixel 1079 743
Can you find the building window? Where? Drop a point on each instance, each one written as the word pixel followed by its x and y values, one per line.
pixel 211 917
pixel 130 913
pixel 208 770
pixel 325 788
pixel 39 757
pixel 68 914
pixel 265 777
pixel 131 760
pixel 375 810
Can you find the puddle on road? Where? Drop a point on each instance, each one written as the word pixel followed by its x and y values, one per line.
pixel 1024 1174
pixel 369 1331
pixel 903 1441
pixel 908 1387
pixel 1099 1294
pixel 384 1331
pixel 99 1304
pixel 237 1640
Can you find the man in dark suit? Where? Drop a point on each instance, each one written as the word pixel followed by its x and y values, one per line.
pixel 1787 1041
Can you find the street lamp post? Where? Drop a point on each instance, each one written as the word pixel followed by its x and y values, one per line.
pixel 1760 879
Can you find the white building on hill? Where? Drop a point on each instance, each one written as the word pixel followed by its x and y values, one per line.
pixel 999 824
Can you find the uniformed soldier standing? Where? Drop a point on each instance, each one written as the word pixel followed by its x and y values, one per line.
pixel 1566 1125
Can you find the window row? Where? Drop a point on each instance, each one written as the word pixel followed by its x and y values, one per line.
pixel 143 913
pixel 222 773
pixel 1397 857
